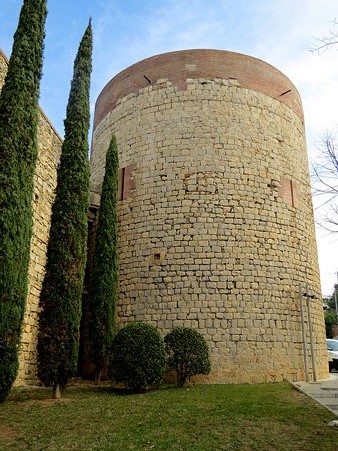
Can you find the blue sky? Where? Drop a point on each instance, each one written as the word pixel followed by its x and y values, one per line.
pixel 126 31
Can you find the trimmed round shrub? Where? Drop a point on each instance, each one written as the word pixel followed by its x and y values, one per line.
pixel 138 356
pixel 188 353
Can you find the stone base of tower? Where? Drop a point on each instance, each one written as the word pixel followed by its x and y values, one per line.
pixel 242 376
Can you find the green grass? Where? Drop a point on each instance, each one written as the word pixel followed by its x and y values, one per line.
pixel 206 417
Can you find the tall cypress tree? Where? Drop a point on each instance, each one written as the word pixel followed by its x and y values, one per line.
pixel 61 293
pixel 104 279
pixel 18 153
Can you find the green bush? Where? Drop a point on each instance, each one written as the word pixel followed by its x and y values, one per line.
pixel 330 321
pixel 188 353
pixel 138 356
pixel 104 278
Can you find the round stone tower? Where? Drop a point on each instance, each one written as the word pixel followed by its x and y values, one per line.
pixel 215 214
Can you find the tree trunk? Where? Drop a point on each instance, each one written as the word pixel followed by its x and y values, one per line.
pixel 56 391
pixel 98 374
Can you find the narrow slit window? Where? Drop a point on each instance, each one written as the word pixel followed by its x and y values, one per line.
pixel 126 182
pixel 123 178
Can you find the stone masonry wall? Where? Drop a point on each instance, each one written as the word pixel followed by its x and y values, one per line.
pixel 49 148
pixel 3 67
pixel 216 228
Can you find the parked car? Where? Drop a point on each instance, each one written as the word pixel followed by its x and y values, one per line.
pixel 332 350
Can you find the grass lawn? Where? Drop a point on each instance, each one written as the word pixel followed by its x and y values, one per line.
pixel 206 417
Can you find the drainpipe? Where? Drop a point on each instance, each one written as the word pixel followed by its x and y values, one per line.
pixel 304 334
pixel 313 355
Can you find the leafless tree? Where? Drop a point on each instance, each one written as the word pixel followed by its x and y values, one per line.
pixel 325 42
pixel 325 181
pixel 325 169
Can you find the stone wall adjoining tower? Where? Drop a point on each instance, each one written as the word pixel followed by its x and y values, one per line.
pixel 215 215
pixel 49 149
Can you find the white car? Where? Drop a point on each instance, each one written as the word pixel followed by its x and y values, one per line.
pixel 332 350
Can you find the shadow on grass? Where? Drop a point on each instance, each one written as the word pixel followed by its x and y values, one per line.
pixel 124 391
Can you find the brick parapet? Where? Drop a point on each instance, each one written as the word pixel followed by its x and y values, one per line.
pixel 239 69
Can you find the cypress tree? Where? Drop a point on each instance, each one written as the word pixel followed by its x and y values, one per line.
pixel 61 293
pixel 18 153
pixel 104 286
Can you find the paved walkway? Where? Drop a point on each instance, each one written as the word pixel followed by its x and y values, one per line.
pixel 325 392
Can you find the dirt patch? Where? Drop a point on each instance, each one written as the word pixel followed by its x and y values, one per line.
pixel 89 383
pixel 8 435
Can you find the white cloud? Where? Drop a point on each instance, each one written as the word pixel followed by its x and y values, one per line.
pixel 280 33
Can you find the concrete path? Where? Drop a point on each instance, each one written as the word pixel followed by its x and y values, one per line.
pixel 325 392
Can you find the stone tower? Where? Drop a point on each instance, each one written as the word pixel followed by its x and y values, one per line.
pixel 215 214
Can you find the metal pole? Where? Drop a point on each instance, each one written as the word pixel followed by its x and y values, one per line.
pixel 313 355
pixel 335 300
pixel 304 334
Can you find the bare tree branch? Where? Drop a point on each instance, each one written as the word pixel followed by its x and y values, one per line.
pixel 325 180
pixel 325 42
